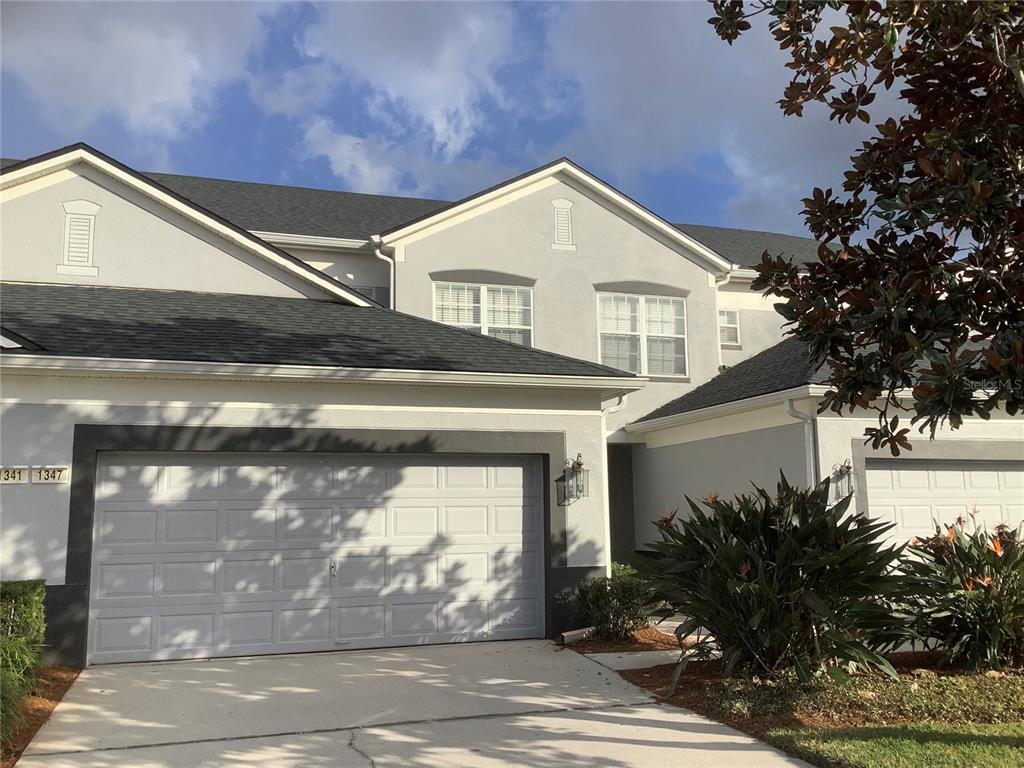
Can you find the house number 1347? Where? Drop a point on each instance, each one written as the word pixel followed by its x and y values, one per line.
pixel 50 474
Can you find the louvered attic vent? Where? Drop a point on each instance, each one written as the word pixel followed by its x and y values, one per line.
pixel 563 226
pixel 79 239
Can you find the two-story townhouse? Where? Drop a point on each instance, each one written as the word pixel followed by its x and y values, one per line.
pixel 224 327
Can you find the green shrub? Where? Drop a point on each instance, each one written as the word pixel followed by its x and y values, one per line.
pixel 21 610
pixel 22 626
pixel 616 606
pixel 13 689
pixel 970 602
pixel 780 583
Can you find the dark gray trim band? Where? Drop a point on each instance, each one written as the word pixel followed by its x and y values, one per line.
pixel 925 449
pixel 68 604
pixel 643 287
pixel 482 276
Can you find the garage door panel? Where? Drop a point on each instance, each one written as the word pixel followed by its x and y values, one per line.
pixel 192 578
pixel 357 525
pixel 1012 480
pixel 311 553
pixel 248 577
pixel 125 580
pixel 127 526
pixel 305 575
pixel 191 525
pixel 307 523
pixel 305 625
pixel 414 521
pixel 919 494
pixel 246 628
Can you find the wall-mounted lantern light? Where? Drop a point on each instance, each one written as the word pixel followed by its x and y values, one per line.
pixel 842 479
pixel 574 482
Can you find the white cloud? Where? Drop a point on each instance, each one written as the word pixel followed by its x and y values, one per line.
pixel 657 89
pixel 432 65
pixel 377 165
pixel 293 92
pixel 365 164
pixel 156 67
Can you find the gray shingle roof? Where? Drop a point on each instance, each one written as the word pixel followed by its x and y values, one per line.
pixel 330 213
pixel 132 323
pixel 777 368
pixel 745 246
pixel 298 210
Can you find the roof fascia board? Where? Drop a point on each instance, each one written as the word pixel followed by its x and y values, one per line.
pixel 743 273
pixel 726 409
pixel 103 366
pixel 589 181
pixel 47 164
pixel 312 241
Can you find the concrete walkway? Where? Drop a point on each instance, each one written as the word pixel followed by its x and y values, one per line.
pixel 469 706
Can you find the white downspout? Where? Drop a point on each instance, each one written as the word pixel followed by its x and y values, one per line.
pixel 810 440
pixel 376 243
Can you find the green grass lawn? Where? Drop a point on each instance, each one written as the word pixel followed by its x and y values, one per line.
pixel 946 720
pixel 931 745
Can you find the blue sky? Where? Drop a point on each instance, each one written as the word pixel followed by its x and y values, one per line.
pixel 424 99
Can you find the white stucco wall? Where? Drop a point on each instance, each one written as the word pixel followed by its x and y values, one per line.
pixel 355 268
pixel 837 435
pixel 516 238
pixel 38 414
pixel 138 243
pixel 760 324
pixel 725 454
pixel 726 464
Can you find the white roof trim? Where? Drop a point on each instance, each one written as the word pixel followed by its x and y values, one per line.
pixel 61 160
pixel 726 409
pixel 744 273
pixel 311 241
pixel 718 264
pixel 131 367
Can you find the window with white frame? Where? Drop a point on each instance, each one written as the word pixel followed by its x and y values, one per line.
pixel 562 239
pixel 502 311
pixel 79 236
pixel 643 334
pixel 729 327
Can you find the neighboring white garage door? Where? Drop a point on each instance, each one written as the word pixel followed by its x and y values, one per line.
pixel 199 555
pixel 915 495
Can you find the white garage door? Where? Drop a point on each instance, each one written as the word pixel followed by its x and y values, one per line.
pixel 199 555
pixel 915 495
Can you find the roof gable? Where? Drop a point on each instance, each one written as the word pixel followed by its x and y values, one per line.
pixel 61 159
pixel 567 170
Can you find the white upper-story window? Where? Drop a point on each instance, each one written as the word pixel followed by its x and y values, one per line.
pixel 643 334
pixel 729 327
pixel 502 311
pixel 79 238
pixel 563 238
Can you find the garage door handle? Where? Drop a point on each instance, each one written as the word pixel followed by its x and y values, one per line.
pixel 334 567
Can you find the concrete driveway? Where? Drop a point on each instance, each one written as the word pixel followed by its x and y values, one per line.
pixel 522 703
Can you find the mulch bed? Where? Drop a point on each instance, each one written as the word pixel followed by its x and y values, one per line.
pixel 50 686
pixel 647 639
pixel 700 690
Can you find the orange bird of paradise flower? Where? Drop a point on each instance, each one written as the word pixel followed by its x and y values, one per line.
pixel 996 545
